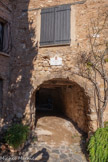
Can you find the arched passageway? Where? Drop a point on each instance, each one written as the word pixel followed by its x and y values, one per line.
pixel 61 102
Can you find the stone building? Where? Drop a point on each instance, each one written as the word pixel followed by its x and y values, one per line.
pixel 43 37
pixel 5 39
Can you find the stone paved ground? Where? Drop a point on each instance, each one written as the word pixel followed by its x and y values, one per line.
pixel 55 139
pixel 42 152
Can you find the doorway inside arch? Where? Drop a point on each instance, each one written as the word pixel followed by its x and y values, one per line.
pixel 49 100
pixel 61 106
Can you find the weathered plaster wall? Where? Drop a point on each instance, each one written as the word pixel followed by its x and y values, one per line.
pixel 30 63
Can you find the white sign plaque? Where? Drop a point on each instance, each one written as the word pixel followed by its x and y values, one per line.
pixel 56 61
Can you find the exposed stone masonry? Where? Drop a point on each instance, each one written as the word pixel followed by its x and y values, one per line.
pixel 30 66
pixel 5 14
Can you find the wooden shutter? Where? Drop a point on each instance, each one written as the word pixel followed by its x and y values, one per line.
pixel 47 26
pixel 62 24
pixel 1 93
pixel 55 25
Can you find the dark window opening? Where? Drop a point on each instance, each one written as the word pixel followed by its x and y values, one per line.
pixel 55 26
pixel 4 36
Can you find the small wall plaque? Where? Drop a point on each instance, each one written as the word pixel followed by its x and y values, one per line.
pixel 56 61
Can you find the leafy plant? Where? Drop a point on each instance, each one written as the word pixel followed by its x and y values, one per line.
pixel 35 139
pixel 106 124
pixel 89 64
pixel 106 60
pixel 16 135
pixel 98 146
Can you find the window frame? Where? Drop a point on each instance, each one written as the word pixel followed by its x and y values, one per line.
pixel 6 30
pixel 2 33
pixel 1 99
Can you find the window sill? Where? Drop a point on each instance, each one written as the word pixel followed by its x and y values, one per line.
pixel 54 45
pixel 4 54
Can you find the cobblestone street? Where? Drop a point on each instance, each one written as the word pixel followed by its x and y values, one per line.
pixel 41 152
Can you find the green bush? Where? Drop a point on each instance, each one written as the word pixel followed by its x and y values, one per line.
pixel 106 124
pixel 98 146
pixel 16 135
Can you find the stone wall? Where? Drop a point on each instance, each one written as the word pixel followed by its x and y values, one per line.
pixel 30 63
pixel 6 15
pixel 76 105
pixel 4 75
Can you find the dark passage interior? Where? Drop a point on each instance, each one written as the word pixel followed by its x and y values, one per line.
pixel 49 99
pixel 63 98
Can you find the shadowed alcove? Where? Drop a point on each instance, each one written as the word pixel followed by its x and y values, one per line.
pixel 61 97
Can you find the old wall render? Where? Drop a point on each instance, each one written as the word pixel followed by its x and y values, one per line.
pixel 30 64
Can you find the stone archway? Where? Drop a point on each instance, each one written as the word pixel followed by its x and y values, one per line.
pixel 81 88
pixel 65 96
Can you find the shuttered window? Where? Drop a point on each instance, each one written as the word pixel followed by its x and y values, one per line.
pixel 55 26
pixel 1 94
